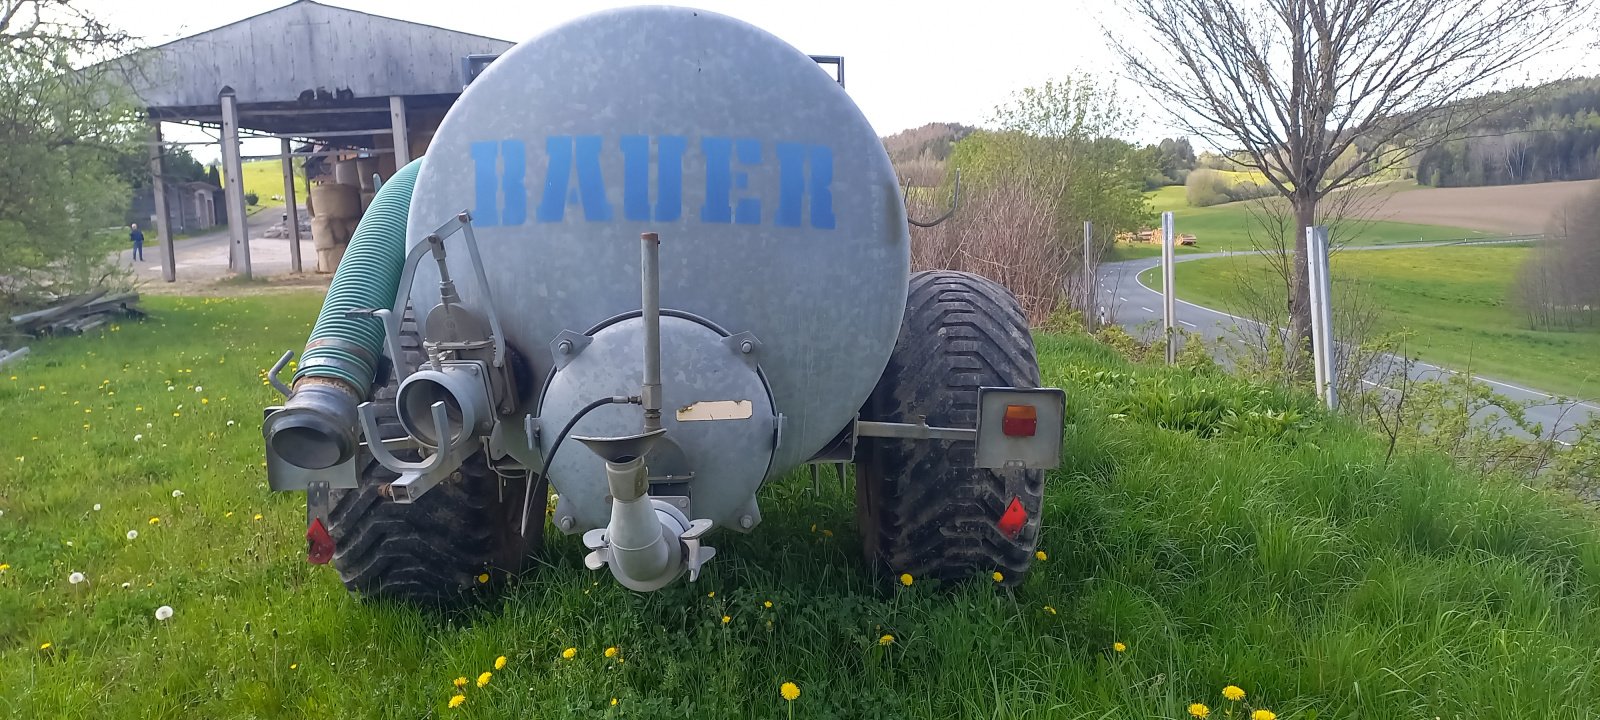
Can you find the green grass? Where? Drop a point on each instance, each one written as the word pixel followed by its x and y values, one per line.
pixel 1456 302
pixel 1226 534
pixel 265 179
pixel 1226 227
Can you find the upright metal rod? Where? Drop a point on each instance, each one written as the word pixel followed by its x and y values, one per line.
pixel 650 290
pixel 1319 293
pixel 1169 314
pixel 1089 295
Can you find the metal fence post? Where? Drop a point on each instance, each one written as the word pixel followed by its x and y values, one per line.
pixel 1169 315
pixel 1320 294
pixel 1090 297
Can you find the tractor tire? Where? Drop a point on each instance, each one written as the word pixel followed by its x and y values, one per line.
pixel 922 508
pixel 457 540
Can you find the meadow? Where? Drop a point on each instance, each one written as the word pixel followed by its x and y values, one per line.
pixel 1456 305
pixel 1201 533
pixel 265 179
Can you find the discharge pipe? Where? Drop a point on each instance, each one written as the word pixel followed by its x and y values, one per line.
pixel 643 542
pixel 318 425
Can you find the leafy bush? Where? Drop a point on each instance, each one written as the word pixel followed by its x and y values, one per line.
pixel 1205 186
pixel 251 198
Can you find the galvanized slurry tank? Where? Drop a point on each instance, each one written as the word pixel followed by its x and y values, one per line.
pixel 779 217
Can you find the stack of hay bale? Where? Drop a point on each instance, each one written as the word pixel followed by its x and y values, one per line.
pixel 338 207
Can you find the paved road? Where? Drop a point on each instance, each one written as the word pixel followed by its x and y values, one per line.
pixel 204 258
pixel 1131 304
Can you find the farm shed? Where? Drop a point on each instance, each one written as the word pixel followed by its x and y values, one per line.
pixel 191 206
pixel 347 84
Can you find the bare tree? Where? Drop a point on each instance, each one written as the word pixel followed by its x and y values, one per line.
pixel 1320 94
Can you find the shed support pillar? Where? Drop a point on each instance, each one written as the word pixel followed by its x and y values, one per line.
pixel 169 264
pixel 233 169
pixel 402 139
pixel 292 216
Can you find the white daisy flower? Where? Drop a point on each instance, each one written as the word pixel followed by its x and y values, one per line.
pixel 76 577
pixel 97 507
pixel 137 437
pixel 164 612
pixel 177 493
pixel 197 388
pixel 125 586
pixel 170 388
pixel 133 534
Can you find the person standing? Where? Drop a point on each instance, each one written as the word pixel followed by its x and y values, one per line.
pixel 138 242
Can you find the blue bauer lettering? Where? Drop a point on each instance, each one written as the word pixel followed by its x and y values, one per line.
pixel 566 153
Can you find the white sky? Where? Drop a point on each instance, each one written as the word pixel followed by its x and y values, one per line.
pixel 906 63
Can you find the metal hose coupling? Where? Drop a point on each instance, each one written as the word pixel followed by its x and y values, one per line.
pixel 317 427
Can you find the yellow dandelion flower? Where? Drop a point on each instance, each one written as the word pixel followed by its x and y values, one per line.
pixel 45 646
pixel 711 594
pixel 1119 647
pixel 790 691
pixel 155 521
pixel 1049 609
pixel 726 619
pixel 500 663
pixel 456 700
pixel 613 702
pixel 294 666
pixel 905 579
pixel 1263 714
pixel 5 566
pixel 257 517
pixel 1040 556
pixel 569 653
pixel 484 678
pixel 611 652
pixel 768 603
pixel 1199 710
pixel 998 577
pixel 886 640
pixel 460 682
pixel 1233 692
pixel 483 578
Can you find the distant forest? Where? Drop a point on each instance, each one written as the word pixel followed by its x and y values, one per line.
pixel 1553 136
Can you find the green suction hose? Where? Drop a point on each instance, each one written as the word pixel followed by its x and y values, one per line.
pixel 347 348
pixel 317 427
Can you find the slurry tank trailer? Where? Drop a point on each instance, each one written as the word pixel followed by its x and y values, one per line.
pixel 670 239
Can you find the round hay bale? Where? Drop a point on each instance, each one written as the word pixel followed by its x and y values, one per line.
pixel 346 172
pixel 324 231
pixel 367 167
pixel 340 201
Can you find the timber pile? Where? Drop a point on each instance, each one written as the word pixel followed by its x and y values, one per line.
pixel 78 314
pixel 10 356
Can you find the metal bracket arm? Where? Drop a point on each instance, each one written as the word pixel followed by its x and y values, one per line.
pixel 919 430
pixel 416 478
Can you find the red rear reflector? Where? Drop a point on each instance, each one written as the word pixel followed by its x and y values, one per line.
pixel 319 544
pixel 1020 421
pixel 1013 519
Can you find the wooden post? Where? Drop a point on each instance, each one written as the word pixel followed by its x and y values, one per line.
pixel 233 168
pixel 293 217
pixel 169 258
pixel 402 141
